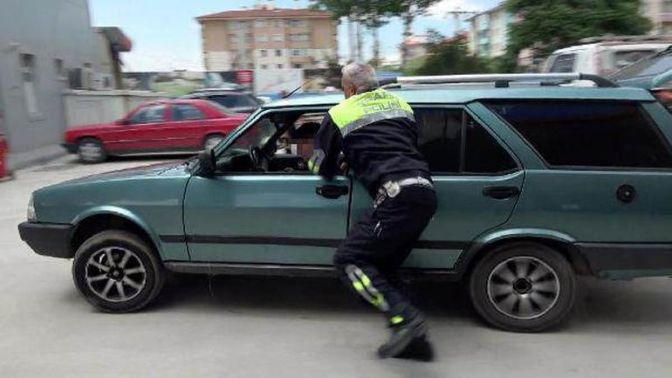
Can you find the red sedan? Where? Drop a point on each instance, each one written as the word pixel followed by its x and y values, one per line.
pixel 168 126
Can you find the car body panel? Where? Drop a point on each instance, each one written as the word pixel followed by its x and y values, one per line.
pixel 151 198
pixel 257 219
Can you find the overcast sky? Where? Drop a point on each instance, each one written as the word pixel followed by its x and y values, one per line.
pixel 166 35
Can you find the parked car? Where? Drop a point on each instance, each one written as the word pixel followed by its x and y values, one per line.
pixel 536 185
pixel 234 101
pixel 156 127
pixel 653 73
pixel 605 55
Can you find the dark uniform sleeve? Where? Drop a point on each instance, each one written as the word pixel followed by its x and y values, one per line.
pixel 328 146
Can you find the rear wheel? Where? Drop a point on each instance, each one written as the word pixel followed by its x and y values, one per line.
pixel 117 272
pixel 523 287
pixel 91 151
pixel 212 141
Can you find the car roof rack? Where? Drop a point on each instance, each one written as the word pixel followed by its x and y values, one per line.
pixel 501 80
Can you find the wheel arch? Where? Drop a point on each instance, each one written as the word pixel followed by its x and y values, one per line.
pixel 558 241
pixel 110 218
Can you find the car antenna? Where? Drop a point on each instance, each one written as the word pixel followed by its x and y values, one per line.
pixel 297 89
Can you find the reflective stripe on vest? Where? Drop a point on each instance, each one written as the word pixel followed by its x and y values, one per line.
pixel 367 108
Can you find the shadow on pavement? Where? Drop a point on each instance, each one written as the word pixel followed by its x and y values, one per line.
pixel 600 304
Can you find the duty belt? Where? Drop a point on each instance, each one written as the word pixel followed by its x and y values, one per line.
pixel 392 189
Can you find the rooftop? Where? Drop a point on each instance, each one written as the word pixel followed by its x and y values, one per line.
pixel 265 12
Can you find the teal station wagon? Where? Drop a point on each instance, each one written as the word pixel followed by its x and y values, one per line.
pixel 536 183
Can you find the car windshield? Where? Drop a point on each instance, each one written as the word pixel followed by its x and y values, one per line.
pixel 647 67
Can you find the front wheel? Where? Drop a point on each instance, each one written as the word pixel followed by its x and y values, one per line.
pixel 523 287
pixel 117 271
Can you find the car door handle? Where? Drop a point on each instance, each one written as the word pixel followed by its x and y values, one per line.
pixel 332 191
pixel 501 192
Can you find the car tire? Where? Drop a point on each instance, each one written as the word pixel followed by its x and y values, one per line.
pixel 91 151
pixel 523 287
pixel 212 141
pixel 118 272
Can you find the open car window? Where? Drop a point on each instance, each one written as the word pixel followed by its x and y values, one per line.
pixel 285 139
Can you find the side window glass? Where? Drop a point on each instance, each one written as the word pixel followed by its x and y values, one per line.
pixel 453 143
pixel 483 153
pixel 588 134
pixel 184 112
pixel 439 138
pixel 150 114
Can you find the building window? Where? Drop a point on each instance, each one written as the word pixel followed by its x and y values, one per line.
pixel 260 23
pixel 279 65
pixel 59 69
pixel 278 37
pixel 299 37
pixel 264 66
pixel 27 62
pixel 278 52
pixel 262 38
pixel 667 6
pixel 298 52
pixel 263 53
pixel 297 23
pixel 250 66
pixel 295 65
pixel 279 23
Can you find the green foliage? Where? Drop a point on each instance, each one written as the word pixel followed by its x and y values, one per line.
pixel 446 57
pixel 548 25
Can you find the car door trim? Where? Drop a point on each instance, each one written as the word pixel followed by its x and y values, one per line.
pixel 292 241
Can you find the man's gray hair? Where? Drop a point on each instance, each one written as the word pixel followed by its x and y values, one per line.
pixel 361 75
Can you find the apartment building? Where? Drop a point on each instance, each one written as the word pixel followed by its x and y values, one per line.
pixel 660 14
pixel 268 38
pixel 489 30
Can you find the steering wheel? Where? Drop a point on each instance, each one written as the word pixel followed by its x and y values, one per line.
pixel 258 159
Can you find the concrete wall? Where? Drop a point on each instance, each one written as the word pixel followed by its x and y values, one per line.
pixel 48 30
pixel 90 107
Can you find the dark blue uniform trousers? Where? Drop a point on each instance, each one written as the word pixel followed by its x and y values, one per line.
pixel 369 259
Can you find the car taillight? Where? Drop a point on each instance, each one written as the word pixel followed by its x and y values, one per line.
pixel 664 95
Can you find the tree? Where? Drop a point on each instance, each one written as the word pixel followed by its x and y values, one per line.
pixel 408 10
pixel 450 56
pixel 547 25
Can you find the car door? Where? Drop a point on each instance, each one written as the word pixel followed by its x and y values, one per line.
pixel 186 128
pixel 142 131
pixel 476 178
pixel 600 171
pixel 243 217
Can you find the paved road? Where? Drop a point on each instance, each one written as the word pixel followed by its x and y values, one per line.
pixel 269 327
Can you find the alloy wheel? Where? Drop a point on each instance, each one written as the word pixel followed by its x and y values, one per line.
pixel 115 274
pixel 523 287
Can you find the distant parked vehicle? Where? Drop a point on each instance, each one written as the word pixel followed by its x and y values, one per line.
pixel 234 100
pixel 604 56
pixel 168 126
pixel 653 73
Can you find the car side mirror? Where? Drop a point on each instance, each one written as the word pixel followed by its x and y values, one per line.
pixel 207 163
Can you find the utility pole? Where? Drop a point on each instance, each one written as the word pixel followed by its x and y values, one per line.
pixel 457 13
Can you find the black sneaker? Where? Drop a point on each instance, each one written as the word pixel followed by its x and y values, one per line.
pixel 402 336
pixel 420 349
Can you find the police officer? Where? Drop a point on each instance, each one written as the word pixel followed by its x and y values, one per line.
pixel 373 132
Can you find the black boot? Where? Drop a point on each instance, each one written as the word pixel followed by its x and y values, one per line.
pixel 402 336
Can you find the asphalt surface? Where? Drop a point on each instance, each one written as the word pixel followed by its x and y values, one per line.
pixel 279 327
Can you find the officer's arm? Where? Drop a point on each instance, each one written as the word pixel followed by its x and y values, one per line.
pixel 328 145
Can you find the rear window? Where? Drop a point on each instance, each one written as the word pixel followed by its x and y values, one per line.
pixel 235 101
pixel 588 134
pixel 563 63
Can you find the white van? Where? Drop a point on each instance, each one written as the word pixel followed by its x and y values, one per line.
pixel 604 55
